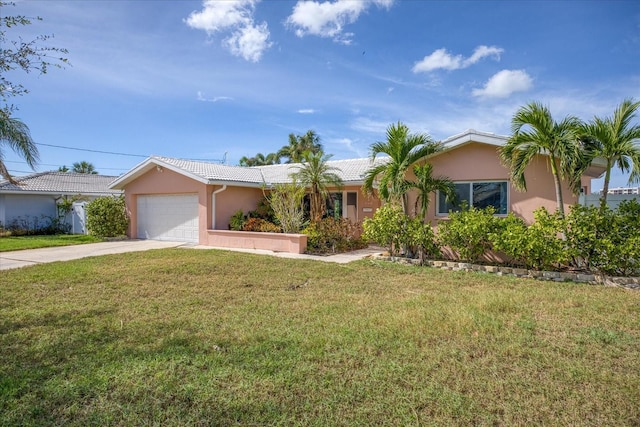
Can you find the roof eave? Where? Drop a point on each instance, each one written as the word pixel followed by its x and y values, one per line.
pixel 147 165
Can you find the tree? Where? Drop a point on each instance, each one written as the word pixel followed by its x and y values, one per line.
pixel 16 135
pixel 317 175
pixel 617 141
pixel 27 56
pixel 84 167
pixel 299 144
pixel 426 183
pixel 63 168
pixel 404 150
pixel 534 132
pixel 260 160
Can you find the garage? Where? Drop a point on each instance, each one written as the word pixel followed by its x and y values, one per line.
pixel 168 217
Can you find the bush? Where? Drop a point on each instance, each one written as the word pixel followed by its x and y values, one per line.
pixel 237 220
pixel 287 207
pixel 421 238
pixel 261 225
pixel 264 211
pixel 331 235
pixel 605 241
pixel 386 228
pixel 538 246
pixel 107 217
pixel 467 232
pixel 33 225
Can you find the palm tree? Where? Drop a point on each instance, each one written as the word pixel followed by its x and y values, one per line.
pixel 616 141
pixel 63 168
pixel 426 183
pixel 260 160
pixel 404 150
pixel 84 167
pixel 299 144
pixel 316 174
pixel 536 133
pixel 16 135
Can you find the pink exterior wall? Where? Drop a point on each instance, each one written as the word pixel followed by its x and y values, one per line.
pixel 277 242
pixel 232 199
pixel 480 162
pixel 366 205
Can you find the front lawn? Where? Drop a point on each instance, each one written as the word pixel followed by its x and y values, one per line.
pixel 18 243
pixel 187 337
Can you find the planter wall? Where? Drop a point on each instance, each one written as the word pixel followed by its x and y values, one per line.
pixel 276 242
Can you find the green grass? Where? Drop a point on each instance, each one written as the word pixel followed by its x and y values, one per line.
pixel 18 243
pixel 187 337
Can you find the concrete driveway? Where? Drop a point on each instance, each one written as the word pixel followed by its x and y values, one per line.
pixel 17 259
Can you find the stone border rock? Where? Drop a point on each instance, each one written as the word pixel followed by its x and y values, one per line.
pixel 556 276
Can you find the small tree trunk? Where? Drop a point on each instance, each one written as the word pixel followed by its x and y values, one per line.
pixel 605 187
pixel 558 184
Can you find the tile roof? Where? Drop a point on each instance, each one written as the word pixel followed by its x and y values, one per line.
pixel 214 171
pixel 60 182
pixel 351 170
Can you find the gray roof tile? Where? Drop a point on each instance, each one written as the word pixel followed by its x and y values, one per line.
pixel 350 170
pixel 60 182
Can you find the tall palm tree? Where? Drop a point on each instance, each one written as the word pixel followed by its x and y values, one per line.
pixel 16 135
pixel 617 141
pixel 84 167
pixel 299 144
pixel 534 132
pixel 426 184
pixel 404 150
pixel 318 176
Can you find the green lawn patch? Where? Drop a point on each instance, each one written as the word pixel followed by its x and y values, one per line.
pixel 187 337
pixel 18 243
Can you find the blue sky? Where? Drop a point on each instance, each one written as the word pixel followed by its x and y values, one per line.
pixel 209 79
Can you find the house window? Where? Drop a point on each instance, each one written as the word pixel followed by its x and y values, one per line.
pixel 480 195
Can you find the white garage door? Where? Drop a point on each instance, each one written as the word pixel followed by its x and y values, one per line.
pixel 168 217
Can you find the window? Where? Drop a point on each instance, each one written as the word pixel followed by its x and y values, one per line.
pixel 477 194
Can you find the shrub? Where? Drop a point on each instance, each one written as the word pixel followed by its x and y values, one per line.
pixel 467 232
pixel 331 235
pixel 421 238
pixel 386 228
pixel 33 225
pixel 263 210
pixel 286 205
pixel 237 220
pixel 605 241
pixel 538 246
pixel 261 225
pixel 107 217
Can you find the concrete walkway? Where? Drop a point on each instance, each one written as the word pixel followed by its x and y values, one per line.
pixel 17 259
pixel 342 258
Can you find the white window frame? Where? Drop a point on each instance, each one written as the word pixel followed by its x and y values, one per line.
pixel 470 201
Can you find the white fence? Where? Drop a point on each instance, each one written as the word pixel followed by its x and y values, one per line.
pixel 613 200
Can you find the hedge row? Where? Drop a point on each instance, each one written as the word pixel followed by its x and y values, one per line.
pixel 598 240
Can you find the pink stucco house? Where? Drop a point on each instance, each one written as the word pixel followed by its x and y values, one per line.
pixel 192 201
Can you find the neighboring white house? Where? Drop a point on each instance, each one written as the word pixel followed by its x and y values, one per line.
pixel 36 196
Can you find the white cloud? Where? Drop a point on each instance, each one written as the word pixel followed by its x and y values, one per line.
pixel 306 111
pixel 328 18
pixel 201 97
pixel 440 58
pixel 504 83
pixel 247 40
